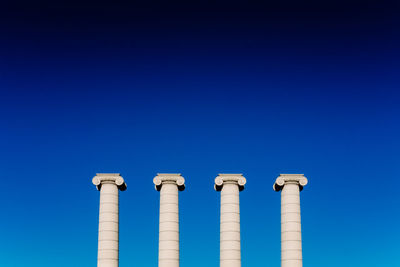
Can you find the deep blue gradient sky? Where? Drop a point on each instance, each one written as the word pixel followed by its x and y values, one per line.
pixel 200 89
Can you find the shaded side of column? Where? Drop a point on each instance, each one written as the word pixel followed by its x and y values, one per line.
pixel 108 250
pixel 168 254
pixel 291 249
pixel 230 226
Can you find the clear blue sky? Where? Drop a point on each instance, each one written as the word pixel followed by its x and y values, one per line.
pixel 199 89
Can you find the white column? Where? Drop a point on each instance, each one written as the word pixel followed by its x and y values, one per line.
pixel 291 250
pixel 168 248
pixel 108 249
pixel 230 185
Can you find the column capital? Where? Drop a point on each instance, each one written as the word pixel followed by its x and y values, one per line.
pixel 283 179
pixel 109 178
pixel 234 178
pixel 169 178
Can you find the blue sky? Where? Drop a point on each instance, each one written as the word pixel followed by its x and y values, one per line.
pixel 199 89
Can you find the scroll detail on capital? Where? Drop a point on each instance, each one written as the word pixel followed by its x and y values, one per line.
pixel 283 179
pixel 109 178
pixel 169 178
pixel 229 178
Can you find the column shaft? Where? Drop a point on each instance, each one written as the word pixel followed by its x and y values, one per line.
pixel 108 226
pixel 291 251
pixel 168 254
pixel 230 226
